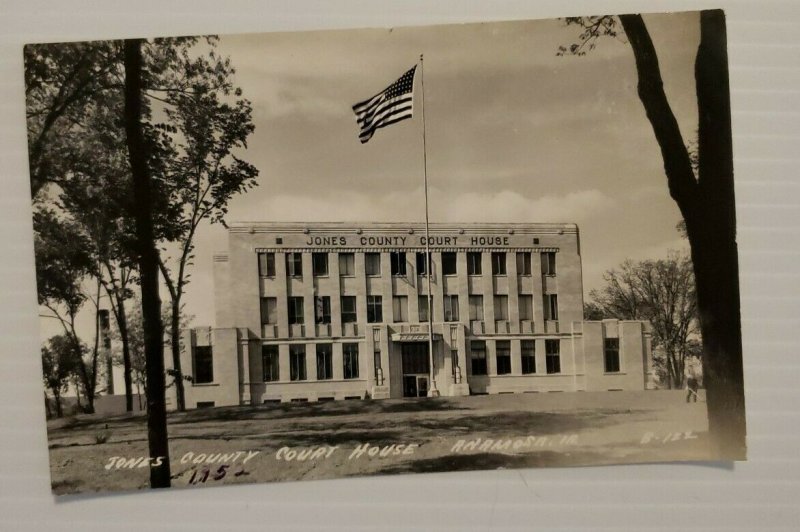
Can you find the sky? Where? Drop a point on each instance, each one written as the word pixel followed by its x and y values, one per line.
pixel 514 133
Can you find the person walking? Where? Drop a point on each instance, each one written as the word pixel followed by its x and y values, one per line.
pixel 693 373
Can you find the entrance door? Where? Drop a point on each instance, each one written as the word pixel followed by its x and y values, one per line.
pixel 416 369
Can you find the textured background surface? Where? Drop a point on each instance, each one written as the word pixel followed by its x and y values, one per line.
pixel 762 493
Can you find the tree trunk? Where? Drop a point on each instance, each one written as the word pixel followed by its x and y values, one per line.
pixel 158 442
pixel 175 335
pixel 707 205
pixel 57 401
pixel 122 323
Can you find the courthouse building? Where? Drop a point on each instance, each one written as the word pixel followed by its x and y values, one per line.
pixel 327 311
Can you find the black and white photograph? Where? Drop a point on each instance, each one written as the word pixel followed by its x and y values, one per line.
pixel 311 255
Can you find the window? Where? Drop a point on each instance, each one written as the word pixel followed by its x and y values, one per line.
pixel 526 307
pixel 269 311
pixel 477 350
pixel 374 309
pixel 294 264
pixel 373 263
pixel 266 264
pixel 498 263
pixel 523 263
pixel 528 357
pixel 550 307
pixel 319 264
pixel 450 308
pixel 269 363
pixel 297 362
pixel 322 309
pixel 423 309
pixel 549 263
pixel 400 309
pixel 296 311
pixel 503 356
pixel 421 270
pixel 449 263
pixel 324 362
pixel 612 355
pixel 474 263
pixel 501 308
pixel 203 365
pixel 398 259
pixel 350 352
pixel 475 308
pixel 552 353
pixel 349 309
pixel 347 264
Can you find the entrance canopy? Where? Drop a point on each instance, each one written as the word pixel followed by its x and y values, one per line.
pixel 414 337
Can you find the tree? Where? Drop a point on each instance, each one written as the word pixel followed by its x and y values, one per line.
pixel 62 264
pixel 59 363
pixel 207 123
pixel 138 151
pixel 661 292
pixel 705 199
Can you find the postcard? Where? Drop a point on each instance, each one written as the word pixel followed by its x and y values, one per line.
pixel 313 255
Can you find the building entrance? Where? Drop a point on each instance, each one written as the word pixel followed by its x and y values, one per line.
pixel 416 369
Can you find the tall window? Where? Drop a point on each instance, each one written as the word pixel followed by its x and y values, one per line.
pixel 319 264
pixel 297 362
pixel 552 357
pixel 450 308
pixel 294 264
pixel 322 309
pixel 550 306
pixel 477 350
pixel 374 309
pixel 324 362
pixel 422 302
pixel 498 263
pixel 349 309
pixel 523 263
pixel 266 264
pixel 373 263
pixel 400 309
pixel 525 307
pixel 347 264
pixel 475 308
pixel 296 311
pixel 528 357
pixel 501 308
pixel 421 269
pixel 350 359
pixel 449 263
pixel 503 355
pixel 612 355
pixel 203 365
pixel 269 311
pixel 398 259
pixel 549 263
pixel 474 263
pixel 269 363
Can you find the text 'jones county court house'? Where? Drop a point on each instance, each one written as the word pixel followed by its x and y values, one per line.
pixel 324 311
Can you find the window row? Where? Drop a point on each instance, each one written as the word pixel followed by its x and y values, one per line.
pixel 322 309
pixel 399 264
pixel 297 362
pixel 478 360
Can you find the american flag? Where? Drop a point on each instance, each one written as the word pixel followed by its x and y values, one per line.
pixel 393 104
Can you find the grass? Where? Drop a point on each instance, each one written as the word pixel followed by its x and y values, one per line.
pixel 602 428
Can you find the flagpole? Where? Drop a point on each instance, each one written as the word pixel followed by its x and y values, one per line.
pixel 432 390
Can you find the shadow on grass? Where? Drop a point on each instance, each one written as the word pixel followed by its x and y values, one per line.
pixel 321 409
pixel 483 461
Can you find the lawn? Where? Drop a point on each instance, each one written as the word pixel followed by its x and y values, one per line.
pixel 295 441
